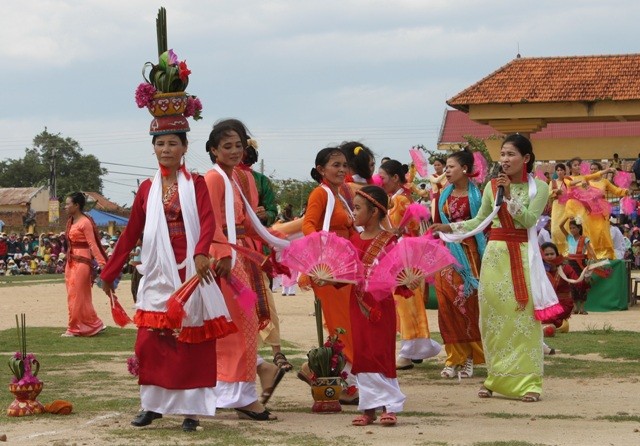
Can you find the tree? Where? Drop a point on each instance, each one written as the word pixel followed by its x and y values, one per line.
pixel 293 191
pixel 73 170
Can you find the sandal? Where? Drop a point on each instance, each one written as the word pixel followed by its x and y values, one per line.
pixel 363 420
pixel 467 369
pixel 280 360
pixel 448 372
pixel 265 415
pixel 485 393
pixel 266 393
pixel 388 419
pixel 530 397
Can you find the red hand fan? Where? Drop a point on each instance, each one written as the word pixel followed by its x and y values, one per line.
pixel 118 314
pixel 324 256
pixel 412 259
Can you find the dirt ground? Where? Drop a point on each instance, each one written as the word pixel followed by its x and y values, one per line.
pixel 460 416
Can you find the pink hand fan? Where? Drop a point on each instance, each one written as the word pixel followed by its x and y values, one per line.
pixel 324 256
pixel 419 161
pixel 415 212
pixel 411 260
pixel 480 168
pixel 540 175
pixel 622 179
pixel 585 168
pixel 627 205
pixel 376 180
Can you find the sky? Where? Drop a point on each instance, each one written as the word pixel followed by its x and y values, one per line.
pixel 301 74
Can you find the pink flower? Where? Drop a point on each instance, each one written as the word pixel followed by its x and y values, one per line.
pixel 193 108
pixel 144 94
pixel 344 375
pixel 133 365
pixel 173 58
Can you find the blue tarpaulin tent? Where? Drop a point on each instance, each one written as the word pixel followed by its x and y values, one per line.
pixel 103 218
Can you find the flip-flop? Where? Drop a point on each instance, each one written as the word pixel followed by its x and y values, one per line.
pixel 530 397
pixel 485 393
pixel 265 415
pixel 281 361
pixel 266 393
pixel 363 420
pixel 388 419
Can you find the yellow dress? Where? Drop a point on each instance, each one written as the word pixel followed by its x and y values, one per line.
pixel 597 227
pixel 412 316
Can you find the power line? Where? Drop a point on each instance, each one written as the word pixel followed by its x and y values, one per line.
pixel 128 165
pixel 139 175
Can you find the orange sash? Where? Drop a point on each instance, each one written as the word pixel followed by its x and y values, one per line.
pixel 513 238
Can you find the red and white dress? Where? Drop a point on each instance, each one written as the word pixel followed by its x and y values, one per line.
pixel 177 373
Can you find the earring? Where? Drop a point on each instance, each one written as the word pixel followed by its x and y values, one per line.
pixel 464 171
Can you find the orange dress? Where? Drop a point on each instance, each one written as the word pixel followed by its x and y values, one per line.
pixel 237 353
pixel 83 320
pixel 335 301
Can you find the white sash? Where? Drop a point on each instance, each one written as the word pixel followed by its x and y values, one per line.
pixel 158 264
pixel 229 211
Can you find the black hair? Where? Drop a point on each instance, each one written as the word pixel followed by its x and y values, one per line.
pixel 394 167
pixel 549 245
pixel 464 157
pixel 440 160
pixel 615 155
pixel 573 160
pixel 378 194
pixel 79 199
pixel 250 156
pixel 524 146
pixel 181 135
pixel 222 128
pixel 384 159
pixel 358 162
pixel 322 159
pixel 573 222
pixel 597 164
pixel 560 166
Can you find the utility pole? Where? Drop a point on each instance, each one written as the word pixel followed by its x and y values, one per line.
pixel 262 166
pixel 53 193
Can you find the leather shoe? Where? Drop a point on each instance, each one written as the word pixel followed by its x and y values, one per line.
pixel 145 418
pixel 190 425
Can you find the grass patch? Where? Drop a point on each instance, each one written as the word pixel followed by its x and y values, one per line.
pixel 620 418
pixel 38 279
pixel 606 342
pixel 506 415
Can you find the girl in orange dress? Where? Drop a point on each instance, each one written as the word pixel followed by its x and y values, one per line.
pixel 84 245
pixel 328 209
pixel 416 344
pixel 237 353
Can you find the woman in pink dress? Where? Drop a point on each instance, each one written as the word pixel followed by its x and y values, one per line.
pixel 84 246
pixel 238 358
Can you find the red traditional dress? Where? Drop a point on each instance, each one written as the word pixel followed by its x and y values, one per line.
pixel 84 244
pixel 458 315
pixel 564 292
pixel 374 336
pixel 177 374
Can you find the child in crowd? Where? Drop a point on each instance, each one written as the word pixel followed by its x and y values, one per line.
pixel 579 250
pixel 373 321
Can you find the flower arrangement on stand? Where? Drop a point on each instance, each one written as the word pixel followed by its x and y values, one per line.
pixel 25 384
pixel 327 374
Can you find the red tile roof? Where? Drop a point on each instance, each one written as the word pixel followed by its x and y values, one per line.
pixel 556 79
pixel 457 124
pixel 102 203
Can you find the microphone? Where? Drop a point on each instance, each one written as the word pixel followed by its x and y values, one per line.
pixel 500 191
